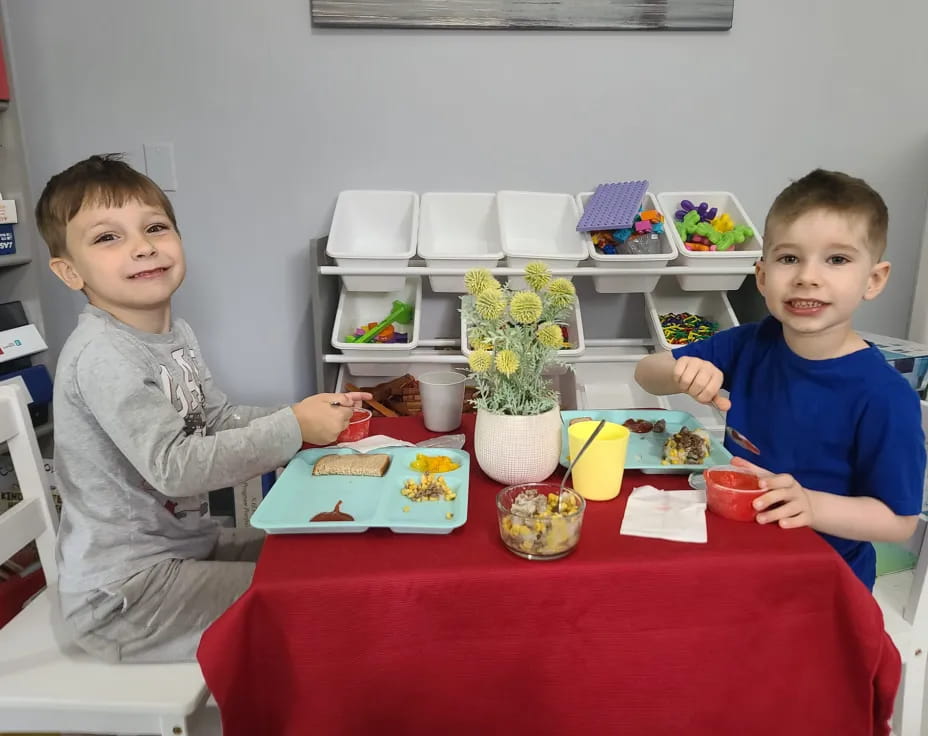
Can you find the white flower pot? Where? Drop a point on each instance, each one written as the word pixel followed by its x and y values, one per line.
pixel 518 449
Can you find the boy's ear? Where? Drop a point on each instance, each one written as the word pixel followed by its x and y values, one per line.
pixel 64 270
pixel 879 275
pixel 760 276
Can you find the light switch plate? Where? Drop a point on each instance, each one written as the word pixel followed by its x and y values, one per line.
pixel 159 165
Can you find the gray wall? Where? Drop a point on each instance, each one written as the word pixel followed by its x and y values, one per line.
pixel 270 118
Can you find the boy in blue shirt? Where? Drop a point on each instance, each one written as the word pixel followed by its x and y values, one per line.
pixel 838 429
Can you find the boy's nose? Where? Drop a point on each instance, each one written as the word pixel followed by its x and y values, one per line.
pixel 143 248
pixel 808 274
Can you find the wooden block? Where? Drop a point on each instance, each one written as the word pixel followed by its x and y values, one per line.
pixel 373 404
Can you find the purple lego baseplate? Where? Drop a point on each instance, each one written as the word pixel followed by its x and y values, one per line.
pixel 613 206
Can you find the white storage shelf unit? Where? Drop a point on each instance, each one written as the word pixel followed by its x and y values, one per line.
pixel 619 325
pixel 19 271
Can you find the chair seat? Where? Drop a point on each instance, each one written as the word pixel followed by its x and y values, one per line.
pixel 892 594
pixel 36 674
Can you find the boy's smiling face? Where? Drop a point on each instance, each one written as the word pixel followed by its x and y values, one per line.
pixel 127 260
pixel 815 272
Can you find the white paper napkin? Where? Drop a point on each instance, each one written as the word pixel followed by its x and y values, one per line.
pixel 676 515
pixel 375 442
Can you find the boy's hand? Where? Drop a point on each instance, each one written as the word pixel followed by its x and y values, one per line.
pixel 322 417
pixel 793 502
pixel 350 398
pixel 701 380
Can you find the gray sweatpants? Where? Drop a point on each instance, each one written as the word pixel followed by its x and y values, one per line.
pixel 159 614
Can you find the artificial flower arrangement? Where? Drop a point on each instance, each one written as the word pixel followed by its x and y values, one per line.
pixel 514 335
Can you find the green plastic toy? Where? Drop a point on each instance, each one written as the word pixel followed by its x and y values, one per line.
pixel 401 313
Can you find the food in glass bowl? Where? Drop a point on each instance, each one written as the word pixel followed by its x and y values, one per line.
pixel 533 525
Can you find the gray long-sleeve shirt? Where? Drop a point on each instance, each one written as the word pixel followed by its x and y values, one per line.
pixel 141 435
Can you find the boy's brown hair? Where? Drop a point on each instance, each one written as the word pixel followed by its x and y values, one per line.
pixel 106 180
pixel 836 192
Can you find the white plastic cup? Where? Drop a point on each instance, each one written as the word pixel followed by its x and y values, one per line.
pixel 442 394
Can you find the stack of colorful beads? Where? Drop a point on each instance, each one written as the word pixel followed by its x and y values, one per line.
pixel 684 328
pixel 702 228
pixel 634 240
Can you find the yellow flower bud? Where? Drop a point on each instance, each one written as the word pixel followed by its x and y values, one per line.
pixel 525 307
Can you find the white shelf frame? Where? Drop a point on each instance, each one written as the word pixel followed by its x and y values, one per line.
pixel 505 271
pixel 429 350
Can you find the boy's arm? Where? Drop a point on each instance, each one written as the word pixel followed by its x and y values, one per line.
pixel 220 414
pixel 655 374
pixel 860 517
pixel 662 373
pixel 889 476
pixel 127 401
pixel 863 518
pixel 699 369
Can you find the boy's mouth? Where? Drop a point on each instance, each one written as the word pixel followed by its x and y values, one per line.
pixel 150 274
pixel 805 306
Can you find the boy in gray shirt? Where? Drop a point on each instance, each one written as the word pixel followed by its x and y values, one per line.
pixel 141 431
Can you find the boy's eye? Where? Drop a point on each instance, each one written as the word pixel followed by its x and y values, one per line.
pixel 158 227
pixel 787 260
pixel 104 238
pixel 838 260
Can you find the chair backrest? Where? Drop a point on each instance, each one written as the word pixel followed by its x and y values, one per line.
pixel 33 518
pixel 917 605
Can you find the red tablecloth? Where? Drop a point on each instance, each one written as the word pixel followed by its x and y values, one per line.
pixel 760 631
pixel 15 592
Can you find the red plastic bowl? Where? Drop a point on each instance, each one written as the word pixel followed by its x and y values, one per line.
pixel 731 491
pixel 358 428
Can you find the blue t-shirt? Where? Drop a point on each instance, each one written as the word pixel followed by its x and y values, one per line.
pixel 848 425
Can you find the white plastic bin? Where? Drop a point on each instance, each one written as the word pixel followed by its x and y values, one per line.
pixel 357 308
pixel 669 297
pixel 574 323
pixel 458 230
pixel 630 283
pixel 374 229
pixel 612 385
pixel 743 254
pixel 538 226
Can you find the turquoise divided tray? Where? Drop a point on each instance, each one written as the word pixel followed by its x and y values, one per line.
pixel 298 495
pixel 646 450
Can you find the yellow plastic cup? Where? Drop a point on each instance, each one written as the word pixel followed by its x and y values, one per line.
pixel 597 476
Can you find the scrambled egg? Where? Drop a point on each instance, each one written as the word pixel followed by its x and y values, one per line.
pixel 433 464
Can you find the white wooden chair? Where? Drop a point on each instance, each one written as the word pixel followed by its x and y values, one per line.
pixel 903 597
pixel 46 686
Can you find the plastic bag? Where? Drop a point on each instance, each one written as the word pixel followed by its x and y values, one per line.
pixel 446 441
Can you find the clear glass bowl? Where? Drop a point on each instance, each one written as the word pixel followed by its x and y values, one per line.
pixel 547 535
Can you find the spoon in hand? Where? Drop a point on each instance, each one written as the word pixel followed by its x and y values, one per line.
pixel 742 441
